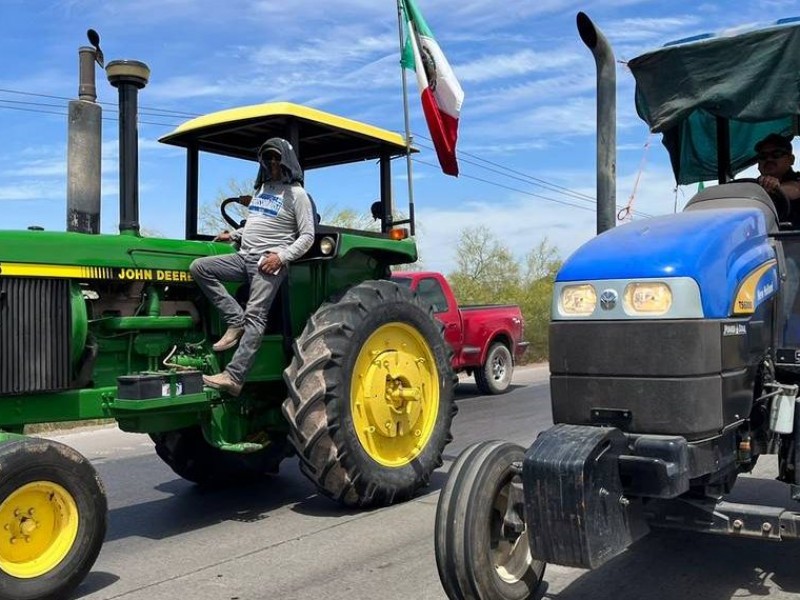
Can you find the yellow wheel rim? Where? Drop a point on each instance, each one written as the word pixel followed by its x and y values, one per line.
pixel 394 394
pixel 38 527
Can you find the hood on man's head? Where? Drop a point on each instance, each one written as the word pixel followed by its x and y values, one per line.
pixel 290 166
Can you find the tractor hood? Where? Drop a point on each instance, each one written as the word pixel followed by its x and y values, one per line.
pixel 718 248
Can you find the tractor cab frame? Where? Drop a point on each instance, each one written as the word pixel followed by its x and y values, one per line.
pixel 320 140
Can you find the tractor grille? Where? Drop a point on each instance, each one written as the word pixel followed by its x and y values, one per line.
pixel 35 327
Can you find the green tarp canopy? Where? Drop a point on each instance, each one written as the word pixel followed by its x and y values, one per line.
pixel 752 80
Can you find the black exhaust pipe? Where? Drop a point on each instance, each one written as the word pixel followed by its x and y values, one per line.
pixel 84 145
pixel 606 121
pixel 129 76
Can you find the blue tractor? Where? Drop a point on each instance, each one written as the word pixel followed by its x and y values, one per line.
pixel 674 346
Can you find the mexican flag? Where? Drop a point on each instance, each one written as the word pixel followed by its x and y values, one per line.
pixel 440 91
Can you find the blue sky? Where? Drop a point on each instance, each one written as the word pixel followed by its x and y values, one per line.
pixel 529 106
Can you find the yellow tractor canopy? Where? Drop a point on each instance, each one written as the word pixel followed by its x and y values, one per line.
pixel 321 139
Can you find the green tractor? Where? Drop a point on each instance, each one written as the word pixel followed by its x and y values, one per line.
pixel 353 374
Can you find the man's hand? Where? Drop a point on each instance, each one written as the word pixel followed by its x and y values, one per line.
pixel 769 183
pixel 245 200
pixel 270 264
pixel 225 236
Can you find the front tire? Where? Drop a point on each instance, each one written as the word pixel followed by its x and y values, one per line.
pixel 494 376
pixel 481 538
pixel 370 396
pixel 53 514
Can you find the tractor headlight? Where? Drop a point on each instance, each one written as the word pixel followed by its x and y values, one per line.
pixel 650 298
pixel 327 245
pixel 577 300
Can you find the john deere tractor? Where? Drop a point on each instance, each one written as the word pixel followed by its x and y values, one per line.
pixel 674 347
pixel 353 374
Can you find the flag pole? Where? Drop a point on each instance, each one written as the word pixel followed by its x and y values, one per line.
pixel 407 120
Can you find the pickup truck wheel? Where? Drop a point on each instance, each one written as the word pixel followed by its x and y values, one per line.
pixel 53 513
pixel 481 538
pixel 370 396
pixel 494 376
pixel 190 456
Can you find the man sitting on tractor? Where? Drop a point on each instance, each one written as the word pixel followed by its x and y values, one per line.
pixel 775 160
pixel 279 230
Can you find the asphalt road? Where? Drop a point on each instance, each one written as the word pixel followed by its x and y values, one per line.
pixel 280 540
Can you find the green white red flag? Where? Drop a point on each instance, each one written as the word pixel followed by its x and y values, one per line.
pixel 440 92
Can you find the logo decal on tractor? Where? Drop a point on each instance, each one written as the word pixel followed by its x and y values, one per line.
pixel 608 299
pixel 77 272
pixel 734 329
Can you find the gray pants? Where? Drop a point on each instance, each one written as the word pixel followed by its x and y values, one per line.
pixel 209 272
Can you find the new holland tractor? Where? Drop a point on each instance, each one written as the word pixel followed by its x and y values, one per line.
pixel 353 374
pixel 674 347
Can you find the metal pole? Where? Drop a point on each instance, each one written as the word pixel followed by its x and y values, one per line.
pixel 192 184
pixel 723 150
pixel 400 13
pixel 606 121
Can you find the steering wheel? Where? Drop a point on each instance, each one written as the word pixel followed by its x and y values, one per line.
pixel 779 199
pixel 223 209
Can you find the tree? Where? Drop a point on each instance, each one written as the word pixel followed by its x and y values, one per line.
pixel 488 273
pixel 210 218
pixel 542 265
pixel 487 270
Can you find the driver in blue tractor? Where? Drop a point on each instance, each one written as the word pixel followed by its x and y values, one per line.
pixel 775 160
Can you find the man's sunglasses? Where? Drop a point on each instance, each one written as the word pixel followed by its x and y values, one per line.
pixel 774 155
pixel 269 157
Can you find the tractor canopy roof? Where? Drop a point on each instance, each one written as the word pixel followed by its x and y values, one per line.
pixel 688 88
pixel 321 139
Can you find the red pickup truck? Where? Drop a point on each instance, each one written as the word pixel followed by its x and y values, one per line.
pixel 486 340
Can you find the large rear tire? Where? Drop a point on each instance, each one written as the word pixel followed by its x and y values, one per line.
pixel 494 375
pixel 370 396
pixel 481 538
pixel 53 513
pixel 189 455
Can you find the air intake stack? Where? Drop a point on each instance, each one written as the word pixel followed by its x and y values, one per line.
pixel 128 76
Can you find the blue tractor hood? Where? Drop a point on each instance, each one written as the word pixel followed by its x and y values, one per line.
pixel 717 248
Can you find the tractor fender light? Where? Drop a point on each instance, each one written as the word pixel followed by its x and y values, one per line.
pixel 398 234
pixel 327 245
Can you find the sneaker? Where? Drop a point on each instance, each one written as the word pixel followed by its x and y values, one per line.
pixel 229 340
pixel 223 382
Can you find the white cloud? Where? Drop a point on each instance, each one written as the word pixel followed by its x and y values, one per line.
pixel 518 63
pixel 520 223
pixel 187 86
pixel 31 191
pixel 639 29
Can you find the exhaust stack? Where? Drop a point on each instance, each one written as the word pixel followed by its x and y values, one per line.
pixel 84 144
pixel 606 121
pixel 128 76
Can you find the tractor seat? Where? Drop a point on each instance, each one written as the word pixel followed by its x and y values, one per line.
pixel 737 195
